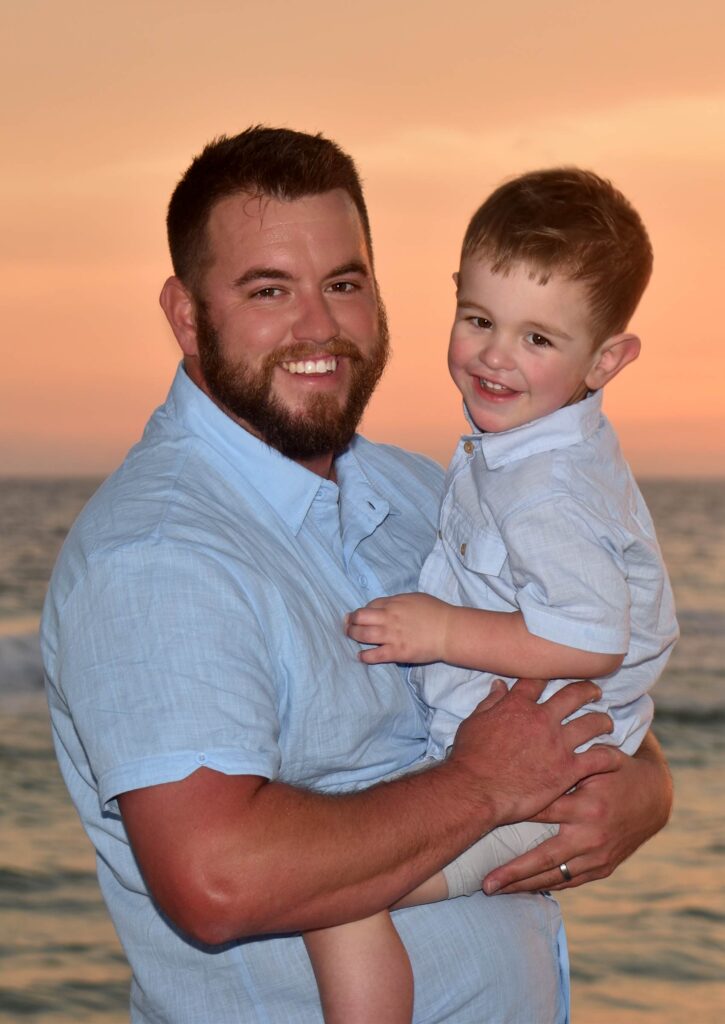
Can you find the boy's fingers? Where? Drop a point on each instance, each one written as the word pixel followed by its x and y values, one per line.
pixel 366 634
pixel 376 655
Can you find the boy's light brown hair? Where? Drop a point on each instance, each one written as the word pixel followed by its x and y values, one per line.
pixel 572 222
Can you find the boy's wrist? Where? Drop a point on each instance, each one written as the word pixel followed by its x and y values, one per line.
pixel 449 642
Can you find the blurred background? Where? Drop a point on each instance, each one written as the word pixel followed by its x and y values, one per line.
pixel 102 109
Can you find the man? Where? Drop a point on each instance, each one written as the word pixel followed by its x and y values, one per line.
pixel 220 738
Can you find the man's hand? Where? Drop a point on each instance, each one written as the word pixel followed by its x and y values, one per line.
pixel 602 823
pixel 519 750
pixel 408 628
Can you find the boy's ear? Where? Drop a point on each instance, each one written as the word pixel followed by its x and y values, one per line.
pixel 613 356
pixel 180 309
pixel 456 277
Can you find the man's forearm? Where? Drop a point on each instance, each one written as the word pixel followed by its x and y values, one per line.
pixel 253 857
pixel 227 856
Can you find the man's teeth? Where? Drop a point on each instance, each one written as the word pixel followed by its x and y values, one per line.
pixel 490 385
pixel 311 365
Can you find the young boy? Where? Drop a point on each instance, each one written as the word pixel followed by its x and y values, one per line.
pixel 546 562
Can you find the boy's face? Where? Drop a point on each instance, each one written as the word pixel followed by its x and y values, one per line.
pixel 519 349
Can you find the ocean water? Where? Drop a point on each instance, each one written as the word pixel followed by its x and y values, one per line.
pixel 647 945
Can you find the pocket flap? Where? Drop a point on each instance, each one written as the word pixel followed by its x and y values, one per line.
pixel 476 549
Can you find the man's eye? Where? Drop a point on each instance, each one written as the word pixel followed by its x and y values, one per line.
pixel 344 287
pixel 482 322
pixel 267 293
pixel 538 339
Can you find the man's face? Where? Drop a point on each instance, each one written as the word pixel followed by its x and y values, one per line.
pixel 291 337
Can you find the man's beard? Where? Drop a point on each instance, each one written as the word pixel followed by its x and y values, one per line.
pixel 323 425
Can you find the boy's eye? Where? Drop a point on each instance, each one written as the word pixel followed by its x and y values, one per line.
pixel 482 322
pixel 538 339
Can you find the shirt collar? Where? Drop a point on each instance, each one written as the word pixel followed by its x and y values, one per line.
pixel 560 429
pixel 287 487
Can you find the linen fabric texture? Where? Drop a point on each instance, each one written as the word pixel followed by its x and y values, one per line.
pixel 195 618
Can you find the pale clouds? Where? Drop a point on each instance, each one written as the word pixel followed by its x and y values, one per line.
pixel 671 129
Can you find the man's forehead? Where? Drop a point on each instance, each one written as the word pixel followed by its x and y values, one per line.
pixel 261 212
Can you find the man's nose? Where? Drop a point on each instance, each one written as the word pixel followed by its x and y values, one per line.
pixel 315 321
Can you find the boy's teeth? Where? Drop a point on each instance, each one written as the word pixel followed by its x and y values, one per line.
pixel 491 386
pixel 311 365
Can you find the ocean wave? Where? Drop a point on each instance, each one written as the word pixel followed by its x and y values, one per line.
pixel 21 666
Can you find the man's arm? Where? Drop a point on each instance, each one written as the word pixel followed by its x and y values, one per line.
pixel 418 629
pixel 229 856
pixel 602 823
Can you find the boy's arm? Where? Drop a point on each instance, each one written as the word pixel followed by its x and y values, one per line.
pixel 418 628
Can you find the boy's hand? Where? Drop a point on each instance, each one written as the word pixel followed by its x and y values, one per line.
pixel 408 628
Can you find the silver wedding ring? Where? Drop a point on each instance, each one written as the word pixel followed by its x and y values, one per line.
pixel 565 872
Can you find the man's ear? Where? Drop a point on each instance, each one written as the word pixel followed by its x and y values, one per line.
pixel 613 356
pixel 456 278
pixel 180 309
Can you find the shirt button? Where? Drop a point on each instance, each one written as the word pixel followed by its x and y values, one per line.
pixel 468 447
pixel 201 758
pixel 463 548
pixel 363 581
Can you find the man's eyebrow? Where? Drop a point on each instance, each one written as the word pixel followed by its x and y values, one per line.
pixel 352 267
pixel 259 273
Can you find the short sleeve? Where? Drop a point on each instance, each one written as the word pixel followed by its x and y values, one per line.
pixel 569 574
pixel 166 669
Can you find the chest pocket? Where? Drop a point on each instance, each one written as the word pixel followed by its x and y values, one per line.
pixel 477 550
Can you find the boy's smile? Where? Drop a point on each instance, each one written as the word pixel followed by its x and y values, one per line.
pixel 519 349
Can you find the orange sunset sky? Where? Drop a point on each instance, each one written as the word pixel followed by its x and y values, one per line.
pixel 104 105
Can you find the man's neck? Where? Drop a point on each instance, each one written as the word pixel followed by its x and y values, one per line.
pixel 323 465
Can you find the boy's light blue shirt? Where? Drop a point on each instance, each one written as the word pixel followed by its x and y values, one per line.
pixel 547 519
pixel 195 618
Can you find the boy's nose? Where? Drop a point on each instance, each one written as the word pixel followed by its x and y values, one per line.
pixel 497 354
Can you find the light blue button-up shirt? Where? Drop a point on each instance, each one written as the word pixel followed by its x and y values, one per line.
pixel 195 618
pixel 547 519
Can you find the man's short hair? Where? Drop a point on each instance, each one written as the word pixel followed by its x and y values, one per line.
pixel 572 222
pixel 261 161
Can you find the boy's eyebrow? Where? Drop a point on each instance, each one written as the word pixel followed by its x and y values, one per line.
pixel 542 328
pixel 536 325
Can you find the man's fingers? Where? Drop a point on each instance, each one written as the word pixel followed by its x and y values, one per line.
pixel 530 688
pixel 573 696
pixel 497 692
pixel 539 869
pixel 599 760
pixel 584 728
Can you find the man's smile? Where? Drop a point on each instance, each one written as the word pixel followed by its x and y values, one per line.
pixel 311 366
